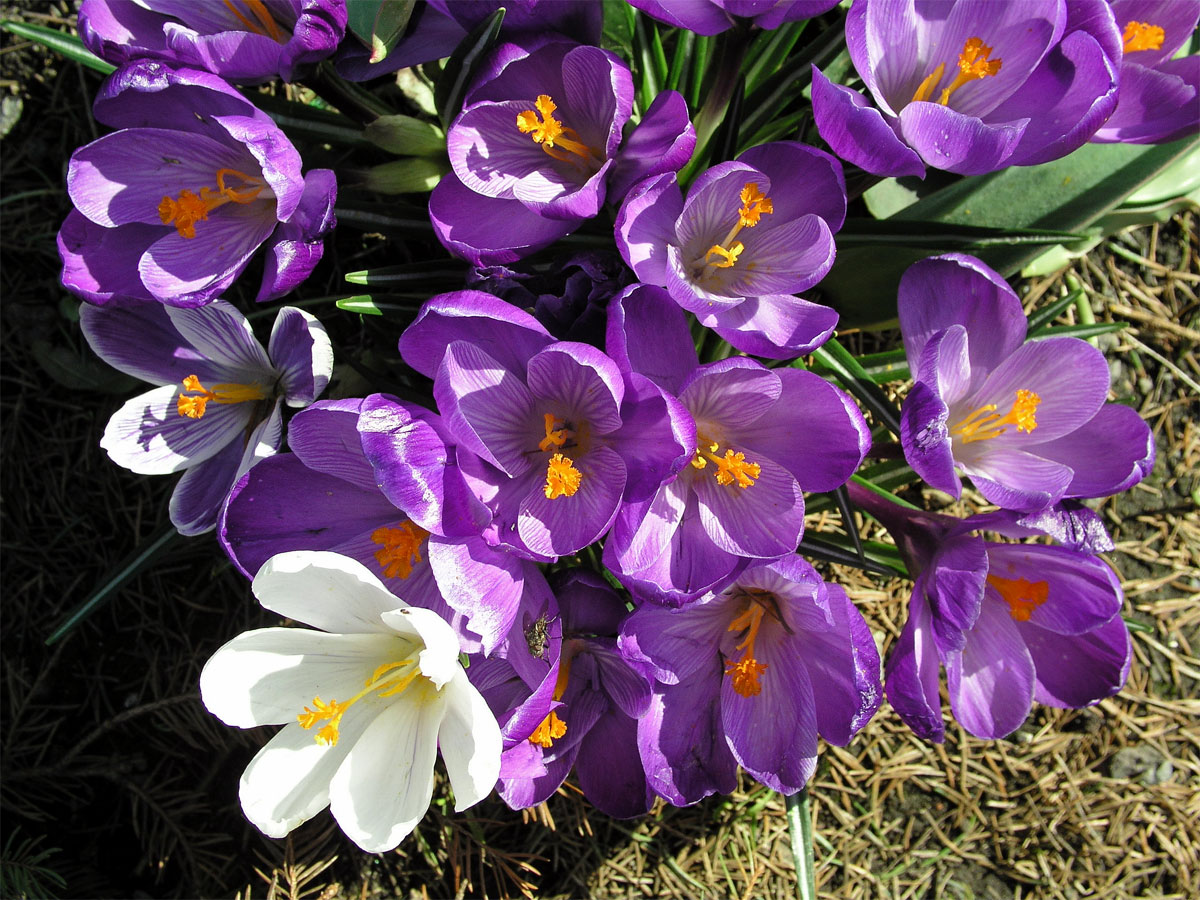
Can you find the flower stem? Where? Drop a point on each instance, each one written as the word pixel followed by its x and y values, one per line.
pixel 800 826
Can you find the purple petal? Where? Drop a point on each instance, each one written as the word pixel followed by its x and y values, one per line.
pixel 581 382
pixel 238 56
pixel 1082 592
pixel 221 334
pixel 302 354
pixel 101 264
pixel 491 156
pixel 777 326
pixel 646 226
pixel 648 334
pixel 483 584
pixel 1177 20
pixel 199 495
pixel 763 520
pixel 609 768
pixel 911 678
pixel 954 589
pixel 657 437
pixel 325 438
pixel 731 394
pixel 297 245
pixel 784 259
pixel 662 142
pixel 1155 106
pixel 804 181
pixel 565 525
pixel 140 340
pixel 677 644
pixel 1109 454
pixel 926 439
pixel 1017 479
pixel 1079 670
pixel 700 17
pixel 858 133
pixel 991 681
pixel 948 140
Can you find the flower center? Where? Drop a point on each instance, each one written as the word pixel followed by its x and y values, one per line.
pixel 262 21
pixel 399 548
pixel 551 728
pixel 973 64
pixel 388 680
pixel 985 423
pixel 557 139
pixel 562 478
pixel 732 467
pixel 745 671
pixel 755 205
pixel 1142 36
pixel 1022 596
pixel 193 403
pixel 189 208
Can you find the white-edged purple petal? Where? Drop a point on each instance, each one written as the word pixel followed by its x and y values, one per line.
pixel 926 439
pixel 858 133
pixel 300 349
pixel 578 381
pixel 774 326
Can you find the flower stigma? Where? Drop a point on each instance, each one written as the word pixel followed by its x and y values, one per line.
pixel 1142 36
pixel 732 467
pixel 745 672
pixel 399 548
pixel 556 139
pixel 193 406
pixel 755 205
pixel 980 426
pixel 1021 595
pixel 265 24
pixel 189 208
pixel 389 680
pixel 973 64
pixel 562 478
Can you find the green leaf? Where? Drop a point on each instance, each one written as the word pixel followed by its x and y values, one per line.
pixel 1064 195
pixel 67 45
pixel 378 24
pixel 309 122
pixel 1047 314
pixel 617 32
pixel 81 373
pixel 390 305
pixel 460 68
pixel 835 359
pixel 942 235
pixel 163 540
pixel 1080 331
pixel 419 272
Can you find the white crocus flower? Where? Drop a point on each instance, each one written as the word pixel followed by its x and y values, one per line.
pixel 365 703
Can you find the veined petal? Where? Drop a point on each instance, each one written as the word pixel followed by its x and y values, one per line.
pixel 1078 670
pixel 646 226
pixel 580 381
pixel 268 676
pixel 398 749
pixel 564 525
pixel 327 591
pixel 140 340
pixel 1109 454
pixel 1082 592
pixel 1016 479
pixel 491 156
pixel 946 139
pixel 763 520
pixel 730 395
pixel 926 438
pixel 302 353
pixel 482 583
pixel 774 326
pixel 100 264
pixel 785 259
pixel 911 676
pixel 858 133
pixel 991 682
pixel 220 333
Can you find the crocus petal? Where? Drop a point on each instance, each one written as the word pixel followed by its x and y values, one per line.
pixel 1155 106
pixel 804 180
pixel 764 520
pixel 732 394
pixel 579 380
pixel 101 264
pixel 220 333
pixel 991 681
pixel 148 435
pixel 564 525
pixel 954 589
pixel 677 644
pixel 491 156
pixel 469 739
pixel 912 674
pixel 1107 455
pixel 302 585
pixel 1017 479
pixel 656 439
pixel 663 141
pixel 439 658
pixel 140 340
pixel 926 439
pixel 858 133
pixel 648 334
pixel 397 749
pixel 1082 592
pixel 1177 20
pixel 1079 670
pixel 297 245
pixel 786 259
pixel 325 438
pixel 774 326
pixel 946 139
pixel 302 354
pixel 645 226
pixel 482 583
pixel 269 676
pixel 609 768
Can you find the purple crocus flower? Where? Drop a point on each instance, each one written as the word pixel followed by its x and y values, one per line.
pixel 763 437
pixel 750 235
pixel 172 206
pixel 539 148
pixel 375 480
pixel 1159 95
pixel 245 41
pixel 970 86
pixel 1027 422
pixel 714 16
pixel 217 408
pixel 549 433
pixel 593 727
pixel 752 673
pixel 1011 623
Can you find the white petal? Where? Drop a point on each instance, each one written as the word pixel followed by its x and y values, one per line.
pixel 470 743
pixel 383 789
pixel 439 659
pixel 325 590
pixel 287 782
pixel 267 677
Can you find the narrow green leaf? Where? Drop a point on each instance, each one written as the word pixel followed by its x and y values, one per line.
pixel 310 122
pixel 769 51
pixel 67 45
pixel 838 361
pixel 877 557
pixel 1080 331
pixel 617 32
pixel 882 492
pixel 941 235
pixel 461 66
pixel 700 62
pixel 129 567
pixel 1047 314
pixel 430 270
pixel 378 24
pixel 684 42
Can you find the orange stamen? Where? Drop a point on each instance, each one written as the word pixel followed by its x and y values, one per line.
pixel 548 731
pixel 973 64
pixel 755 205
pixel 266 25
pixel 552 134
pixel 189 208
pixel 193 407
pixel 399 548
pixel 745 672
pixel 562 478
pixel 730 468
pixel 385 679
pixel 1021 595
pixel 1142 36
pixel 557 433
pixel 980 426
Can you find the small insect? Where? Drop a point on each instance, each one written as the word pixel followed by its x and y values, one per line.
pixel 170 160
pixel 536 636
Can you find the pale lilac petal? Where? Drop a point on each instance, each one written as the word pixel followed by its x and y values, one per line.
pixel 482 583
pixel 763 520
pixel 1155 106
pixel 991 682
pixel 947 139
pixel 140 340
pixel 804 181
pixel 858 133
pixel 302 354
pixel 912 674
pixel 1017 479
pixel 325 438
pixel 730 395
pixel 774 326
pixel 784 259
pixel 1109 454
pixel 218 332
pixel 579 381
pixel 645 226
pixel 564 525
pixel 491 156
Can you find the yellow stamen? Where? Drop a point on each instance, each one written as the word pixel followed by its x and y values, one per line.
pixel 266 25
pixel 1021 595
pixel 386 680
pixel 549 731
pixel 755 204
pixel 980 426
pixel 562 478
pixel 973 64
pixel 552 134
pixel 730 468
pixel 399 548
pixel 193 407
pixel 745 672
pixel 556 433
pixel 1142 36
pixel 725 258
pixel 189 208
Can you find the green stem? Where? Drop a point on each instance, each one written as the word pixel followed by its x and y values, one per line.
pixel 800 827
